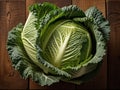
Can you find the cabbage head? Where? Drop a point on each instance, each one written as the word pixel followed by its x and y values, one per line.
pixel 59 44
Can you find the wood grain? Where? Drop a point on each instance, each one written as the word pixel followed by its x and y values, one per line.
pixel 11 14
pixel 113 15
pixel 85 4
pixel 56 86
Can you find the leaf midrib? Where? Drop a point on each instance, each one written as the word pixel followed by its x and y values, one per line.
pixel 62 50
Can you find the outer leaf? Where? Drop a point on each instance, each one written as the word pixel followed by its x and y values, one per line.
pixel 22 62
pixel 99 19
pixel 28 36
pixel 100 43
pixel 40 10
pixel 29 32
pixel 86 77
pixel 80 70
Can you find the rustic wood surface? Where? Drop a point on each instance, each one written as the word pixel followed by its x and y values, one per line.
pixel 11 14
pixel 14 11
pixel 114 45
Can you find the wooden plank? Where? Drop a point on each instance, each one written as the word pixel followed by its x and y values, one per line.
pixel 85 4
pixel 56 86
pixel 113 14
pixel 61 85
pixel 11 13
pixel 100 81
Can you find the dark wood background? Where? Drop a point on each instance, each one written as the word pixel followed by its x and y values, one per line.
pixel 14 11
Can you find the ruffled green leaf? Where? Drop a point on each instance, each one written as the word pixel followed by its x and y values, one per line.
pixel 100 44
pixel 22 62
pixel 99 20
pixel 40 10
pixel 86 76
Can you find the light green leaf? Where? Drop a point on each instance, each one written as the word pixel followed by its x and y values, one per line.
pixel 29 35
pixel 22 62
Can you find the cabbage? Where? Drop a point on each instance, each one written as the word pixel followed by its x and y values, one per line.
pixel 59 44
